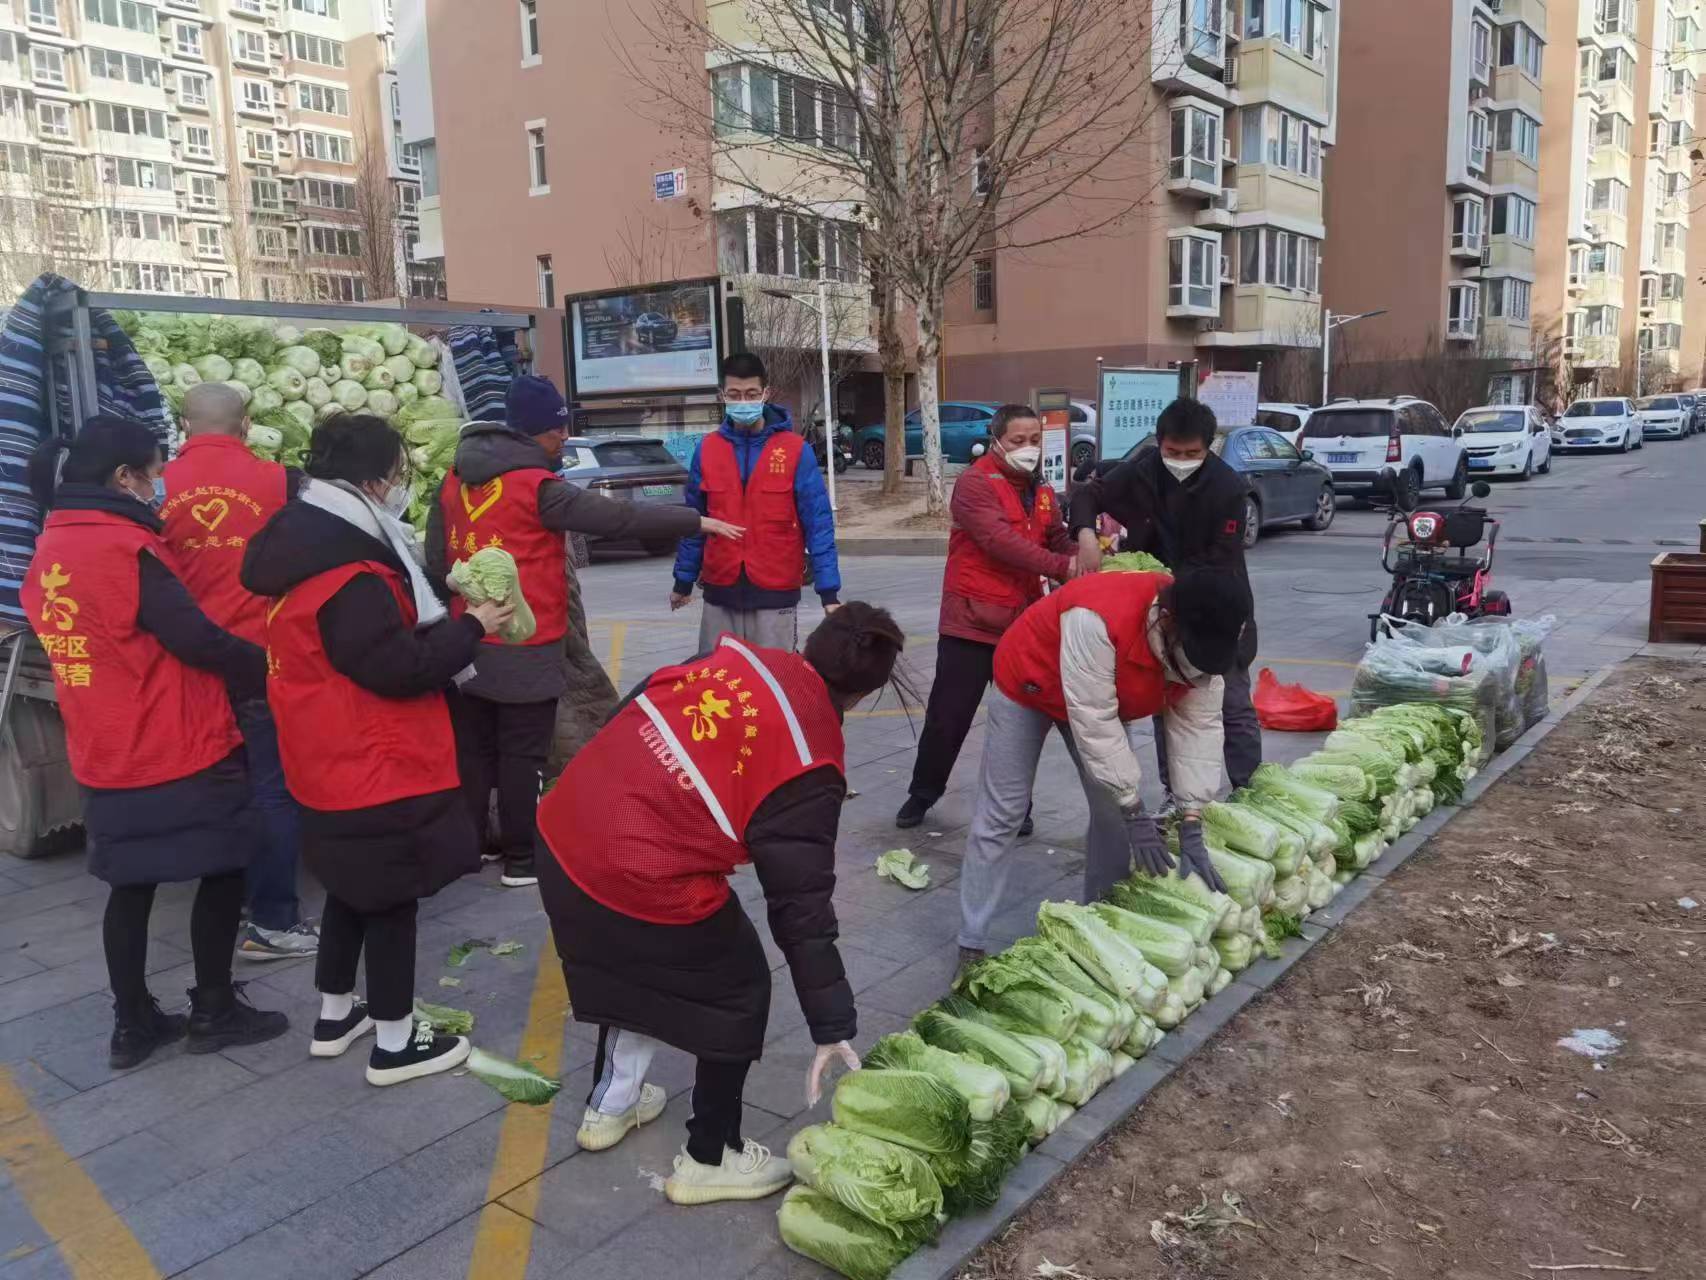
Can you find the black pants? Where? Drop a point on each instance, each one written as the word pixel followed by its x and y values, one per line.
pixel 389 938
pixel 963 671
pixel 1243 733
pixel 504 744
pixel 214 918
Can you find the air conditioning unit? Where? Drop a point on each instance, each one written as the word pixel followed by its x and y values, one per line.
pixel 1229 72
pixel 1227 199
pixel 1226 268
pixel 1226 153
pixel 1487 255
pixel 1211 325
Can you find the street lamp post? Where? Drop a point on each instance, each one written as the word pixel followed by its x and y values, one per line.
pixel 822 310
pixel 1330 322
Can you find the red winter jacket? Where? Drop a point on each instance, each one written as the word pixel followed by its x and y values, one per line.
pixel 998 552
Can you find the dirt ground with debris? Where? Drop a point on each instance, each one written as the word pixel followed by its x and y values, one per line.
pixel 1401 1105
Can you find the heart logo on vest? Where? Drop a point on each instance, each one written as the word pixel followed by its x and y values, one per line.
pixel 211 513
pixel 493 490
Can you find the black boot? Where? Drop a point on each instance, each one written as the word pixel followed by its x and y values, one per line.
pixel 138 1032
pixel 221 1017
pixel 912 812
pixel 1027 826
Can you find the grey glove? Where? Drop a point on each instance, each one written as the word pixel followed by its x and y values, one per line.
pixel 1194 853
pixel 1147 849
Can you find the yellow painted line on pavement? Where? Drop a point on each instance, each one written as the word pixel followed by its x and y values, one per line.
pixel 93 1241
pixel 504 1241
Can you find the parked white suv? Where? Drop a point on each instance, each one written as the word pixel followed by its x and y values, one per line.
pixel 1399 446
pixel 1287 419
pixel 1599 422
pixel 1506 440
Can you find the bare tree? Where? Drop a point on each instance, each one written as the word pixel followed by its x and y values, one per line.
pixel 644 253
pixel 49 221
pixel 782 330
pixel 949 129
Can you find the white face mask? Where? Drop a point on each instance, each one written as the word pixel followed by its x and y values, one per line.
pixel 396 500
pixel 1024 458
pixel 1182 468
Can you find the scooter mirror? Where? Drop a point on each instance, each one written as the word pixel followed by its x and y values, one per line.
pixel 1481 489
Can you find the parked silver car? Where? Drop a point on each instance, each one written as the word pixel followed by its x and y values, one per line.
pixel 628 468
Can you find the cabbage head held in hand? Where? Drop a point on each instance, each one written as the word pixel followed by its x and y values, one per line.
pixel 490 574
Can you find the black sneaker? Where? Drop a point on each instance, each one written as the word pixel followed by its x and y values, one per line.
pixel 426 1054
pixel 136 1036
pixel 518 873
pixel 1027 826
pixel 222 1017
pixel 332 1037
pixel 912 812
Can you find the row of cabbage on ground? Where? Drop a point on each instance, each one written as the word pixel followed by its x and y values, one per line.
pixel 939 1115
pixel 292 379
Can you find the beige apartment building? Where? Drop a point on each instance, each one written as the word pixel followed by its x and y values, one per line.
pixel 214 148
pixel 1620 272
pixel 1223 264
pixel 1434 200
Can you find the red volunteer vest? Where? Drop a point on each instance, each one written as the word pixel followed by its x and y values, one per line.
pixel 972 571
pixel 218 495
pixel 1027 661
pixel 135 716
pixel 650 818
pixel 343 746
pixel 504 512
pixel 773 552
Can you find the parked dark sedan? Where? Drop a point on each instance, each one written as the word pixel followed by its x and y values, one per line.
pixel 654 330
pixel 1285 485
pixel 629 469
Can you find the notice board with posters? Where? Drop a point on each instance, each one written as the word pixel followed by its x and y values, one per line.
pixel 1054 408
pixel 1128 403
pixel 1234 397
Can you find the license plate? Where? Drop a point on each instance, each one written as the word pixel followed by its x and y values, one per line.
pixel 658 491
pixel 1480 464
pixel 1341 457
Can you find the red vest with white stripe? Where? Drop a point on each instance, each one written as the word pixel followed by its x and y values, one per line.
pixel 650 818
pixel 1027 661
pixel 504 512
pixel 135 716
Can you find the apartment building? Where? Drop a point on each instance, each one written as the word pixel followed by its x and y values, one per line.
pixel 1224 262
pixel 1621 264
pixel 1434 202
pixel 216 148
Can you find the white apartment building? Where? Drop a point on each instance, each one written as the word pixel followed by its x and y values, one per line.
pixel 216 148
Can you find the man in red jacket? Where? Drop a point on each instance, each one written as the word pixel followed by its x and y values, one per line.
pixel 1008 535
pixel 218 495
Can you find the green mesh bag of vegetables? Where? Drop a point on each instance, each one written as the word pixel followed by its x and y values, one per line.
pixel 1133 562
pixel 828 1232
pixel 490 574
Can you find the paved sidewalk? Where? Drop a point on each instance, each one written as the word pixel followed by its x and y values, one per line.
pixel 261 1163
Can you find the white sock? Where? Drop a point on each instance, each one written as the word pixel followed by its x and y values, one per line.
pixel 393 1033
pixel 627 1056
pixel 336 1008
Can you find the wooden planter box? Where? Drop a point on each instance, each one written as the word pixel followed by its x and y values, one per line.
pixel 1678 608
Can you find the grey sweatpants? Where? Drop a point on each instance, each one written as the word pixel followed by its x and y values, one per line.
pixel 1243 733
pixel 769 628
pixel 1013 738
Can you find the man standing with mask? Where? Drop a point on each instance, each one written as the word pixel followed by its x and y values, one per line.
pixel 504 491
pixel 755 472
pixel 1008 535
pixel 1182 504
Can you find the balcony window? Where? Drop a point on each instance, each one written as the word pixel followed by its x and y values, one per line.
pixel 1514 216
pixel 1520 47
pixel 316 8
pixel 250 46
pixel 1615 17
pixel 1466 219
pixel 266 195
pixel 1463 311
pixel 192 89
pixel 1196 145
pixel 47 66
pixel 323 193
pixel 270 243
pixel 335 148
pixel 260 146
pixel 1605 260
pixel 316 49
pixel 198 142
pixel 116 118
pixel 1200 32
pixel 126 14
pixel 53 120
pixel 1602 322
pixel 1518 133
pixel 1281 139
pixel 44 14
pixel 110 64
pixel 1608 195
pixel 1193 272
pixel 328 100
pixel 1480 51
pixel 203 192
pixel 1302 24
pixel 257 96
pixel 1478 132
pixel 1612 130
pixel 1284 259
pixel 187 40
pixel 1508 299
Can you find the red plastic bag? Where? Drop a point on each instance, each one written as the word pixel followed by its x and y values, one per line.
pixel 1292 707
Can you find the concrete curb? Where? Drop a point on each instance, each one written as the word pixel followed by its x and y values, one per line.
pixel 924 544
pixel 963 1237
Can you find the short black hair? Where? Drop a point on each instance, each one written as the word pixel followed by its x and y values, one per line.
pixel 355 447
pixel 854 649
pixel 1186 420
pixel 742 364
pixel 1010 413
pixel 105 443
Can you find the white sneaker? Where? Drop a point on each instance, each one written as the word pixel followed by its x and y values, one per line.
pixel 600 1132
pixel 748 1174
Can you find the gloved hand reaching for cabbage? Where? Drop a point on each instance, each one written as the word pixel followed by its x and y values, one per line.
pixel 490 576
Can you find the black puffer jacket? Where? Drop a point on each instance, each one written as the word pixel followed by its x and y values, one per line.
pixel 1197 524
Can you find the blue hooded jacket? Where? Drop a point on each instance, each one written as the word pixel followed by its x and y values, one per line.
pixel 811 501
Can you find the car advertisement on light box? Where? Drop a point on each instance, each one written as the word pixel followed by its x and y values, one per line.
pixel 660 338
